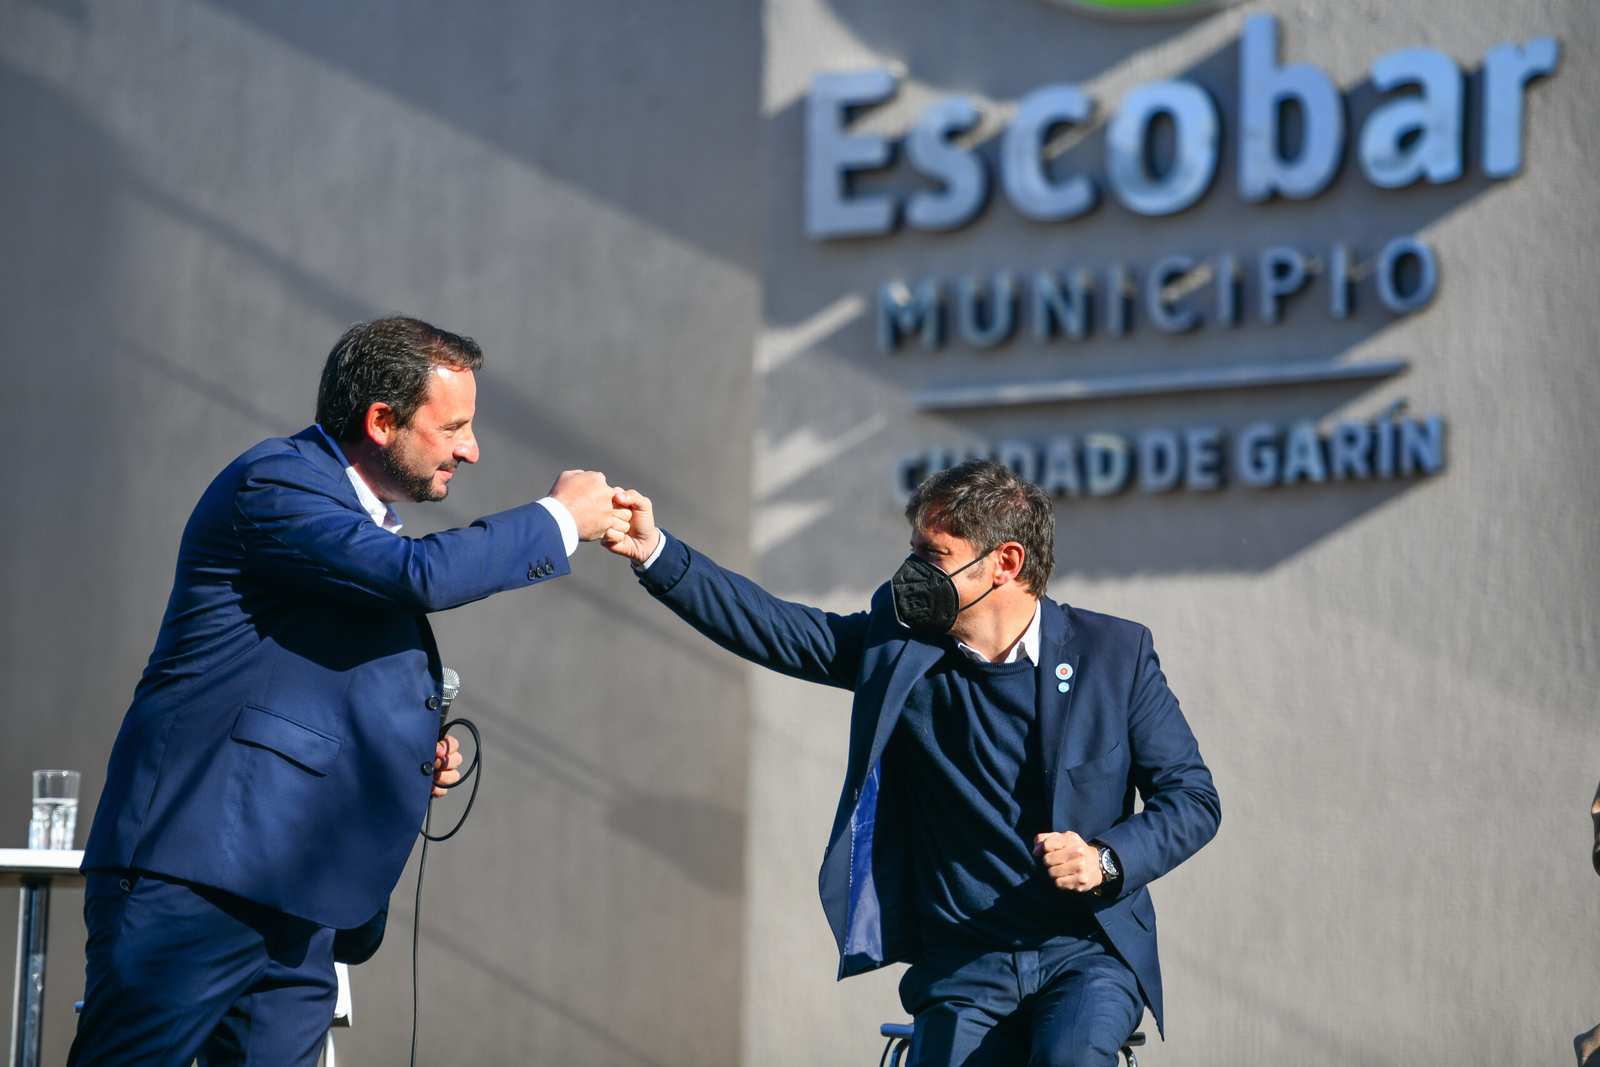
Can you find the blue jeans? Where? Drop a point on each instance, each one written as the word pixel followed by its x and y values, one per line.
pixel 177 972
pixel 1071 1002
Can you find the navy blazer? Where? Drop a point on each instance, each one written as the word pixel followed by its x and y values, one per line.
pixel 279 745
pixel 1116 731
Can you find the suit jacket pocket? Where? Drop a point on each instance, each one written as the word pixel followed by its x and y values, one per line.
pixel 296 742
pixel 1112 762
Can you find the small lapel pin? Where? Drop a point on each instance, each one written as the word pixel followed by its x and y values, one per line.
pixel 1064 686
pixel 1063 671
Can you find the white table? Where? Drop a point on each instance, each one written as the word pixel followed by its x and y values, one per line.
pixel 34 871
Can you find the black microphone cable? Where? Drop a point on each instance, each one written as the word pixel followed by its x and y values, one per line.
pixel 427 835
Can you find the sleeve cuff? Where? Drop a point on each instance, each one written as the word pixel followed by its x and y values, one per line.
pixel 668 569
pixel 655 553
pixel 564 520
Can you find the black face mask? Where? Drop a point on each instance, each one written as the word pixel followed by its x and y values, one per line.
pixel 925 598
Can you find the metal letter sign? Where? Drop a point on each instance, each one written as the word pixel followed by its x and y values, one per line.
pixel 1416 134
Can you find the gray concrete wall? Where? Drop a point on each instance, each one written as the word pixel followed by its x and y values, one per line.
pixel 1392 681
pixel 199 196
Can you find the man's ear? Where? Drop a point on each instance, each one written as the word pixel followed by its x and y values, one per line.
pixel 380 424
pixel 1009 558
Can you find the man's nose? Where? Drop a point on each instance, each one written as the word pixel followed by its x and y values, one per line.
pixel 467 450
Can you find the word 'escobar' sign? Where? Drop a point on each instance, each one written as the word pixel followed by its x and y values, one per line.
pixel 1419 134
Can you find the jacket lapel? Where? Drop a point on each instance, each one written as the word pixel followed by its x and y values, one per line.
pixel 913 662
pixel 1060 651
pixel 314 445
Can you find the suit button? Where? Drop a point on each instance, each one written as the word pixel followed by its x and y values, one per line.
pixel 427 768
pixel 533 572
pixel 433 702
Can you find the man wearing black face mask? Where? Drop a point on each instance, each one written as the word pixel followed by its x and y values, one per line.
pixel 986 833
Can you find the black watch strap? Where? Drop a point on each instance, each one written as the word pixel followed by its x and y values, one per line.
pixel 1111 871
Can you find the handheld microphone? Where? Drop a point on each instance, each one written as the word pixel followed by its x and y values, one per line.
pixel 449 689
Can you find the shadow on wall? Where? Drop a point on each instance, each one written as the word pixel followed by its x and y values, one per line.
pixel 605 1034
pixel 689 833
pixel 86 200
pixel 1232 530
pixel 76 11
pixel 94 361
pixel 922 40
pixel 38 115
pixel 523 77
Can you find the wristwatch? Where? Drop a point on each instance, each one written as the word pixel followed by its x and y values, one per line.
pixel 1110 873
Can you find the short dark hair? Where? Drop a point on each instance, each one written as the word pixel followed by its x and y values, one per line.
pixel 986 503
pixel 386 361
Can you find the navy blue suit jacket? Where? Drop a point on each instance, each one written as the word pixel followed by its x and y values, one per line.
pixel 1116 731
pixel 278 744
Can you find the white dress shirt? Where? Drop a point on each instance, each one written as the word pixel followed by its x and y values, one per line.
pixel 381 513
pixel 1026 648
pixel 385 516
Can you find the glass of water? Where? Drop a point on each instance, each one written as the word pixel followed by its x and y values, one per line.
pixel 55 809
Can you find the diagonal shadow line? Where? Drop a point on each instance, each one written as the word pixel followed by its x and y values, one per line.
pixel 1283 1012
pixel 922 45
pixel 327 297
pixel 710 854
pixel 559 434
pixel 589 1027
pixel 538 750
pixel 268 421
pixel 651 622
pixel 580 123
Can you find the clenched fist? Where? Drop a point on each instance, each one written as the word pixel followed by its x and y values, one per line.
pixel 638 537
pixel 1070 861
pixel 587 495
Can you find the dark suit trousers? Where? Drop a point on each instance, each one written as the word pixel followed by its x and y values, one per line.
pixel 177 972
pixel 1069 1003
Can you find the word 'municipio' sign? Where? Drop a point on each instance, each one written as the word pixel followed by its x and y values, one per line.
pixel 1417 134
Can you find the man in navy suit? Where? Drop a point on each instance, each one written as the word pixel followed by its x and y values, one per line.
pixel 986 833
pixel 273 770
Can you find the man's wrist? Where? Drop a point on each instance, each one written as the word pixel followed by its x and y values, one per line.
pixel 564 522
pixel 655 553
pixel 1110 871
